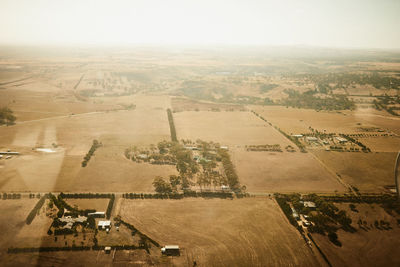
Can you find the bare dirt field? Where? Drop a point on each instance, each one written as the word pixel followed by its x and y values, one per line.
pixel 369 247
pixel 283 172
pixel 369 172
pixel 215 232
pixel 229 128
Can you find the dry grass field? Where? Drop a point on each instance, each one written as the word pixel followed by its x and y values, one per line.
pixel 215 232
pixel 227 128
pixel 370 247
pixel 369 172
pixel 12 219
pixel 382 143
pixel 99 204
pixel 283 172
pixel 184 104
pixel 71 138
pixel 297 121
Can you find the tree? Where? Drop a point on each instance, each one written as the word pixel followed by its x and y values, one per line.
pixel 174 181
pixel 160 186
pixel 6 116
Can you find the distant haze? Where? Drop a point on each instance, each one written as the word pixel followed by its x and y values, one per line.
pixel 339 23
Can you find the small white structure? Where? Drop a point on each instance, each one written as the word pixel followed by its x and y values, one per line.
pixel 225 187
pixel 143 156
pixel 104 225
pixel 341 139
pixel 170 250
pixel 311 139
pixel 107 250
pixel 224 147
pixel 309 204
pixel 297 135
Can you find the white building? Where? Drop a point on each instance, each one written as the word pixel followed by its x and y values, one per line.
pixel 104 225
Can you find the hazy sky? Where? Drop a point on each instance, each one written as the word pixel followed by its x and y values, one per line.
pixel 336 23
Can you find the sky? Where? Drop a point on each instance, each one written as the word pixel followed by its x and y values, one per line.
pixel 334 23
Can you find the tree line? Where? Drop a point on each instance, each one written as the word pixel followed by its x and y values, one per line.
pixel 96 144
pixel 36 209
pixel 172 126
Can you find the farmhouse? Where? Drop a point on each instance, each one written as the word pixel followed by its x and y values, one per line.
pixel 104 225
pixel 309 204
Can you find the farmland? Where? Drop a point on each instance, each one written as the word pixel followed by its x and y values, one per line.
pixel 259 222
pixel 195 149
pixel 368 245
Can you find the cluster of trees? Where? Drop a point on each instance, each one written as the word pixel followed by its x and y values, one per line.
pixel 96 144
pixel 388 103
pixel 230 172
pixel 154 154
pixel 343 80
pixel 172 126
pixel 35 209
pixel 364 148
pixel 11 196
pixel 6 116
pixel 308 100
pixel 62 206
pixel 285 207
pixel 329 219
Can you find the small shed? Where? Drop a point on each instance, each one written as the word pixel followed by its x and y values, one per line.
pixel 107 250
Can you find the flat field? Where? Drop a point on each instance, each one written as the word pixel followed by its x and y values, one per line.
pixel 369 172
pixel 216 232
pixel 297 121
pixel 369 247
pixel 229 128
pixel 382 143
pixel 283 172
pixel 70 138
pixel 99 204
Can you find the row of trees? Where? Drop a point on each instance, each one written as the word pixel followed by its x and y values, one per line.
pixel 36 209
pixel 6 116
pixel 110 206
pixel 230 172
pixel 172 126
pixel 86 195
pixel 96 144
pixel 11 196
pixel 295 140
pixel 363 147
